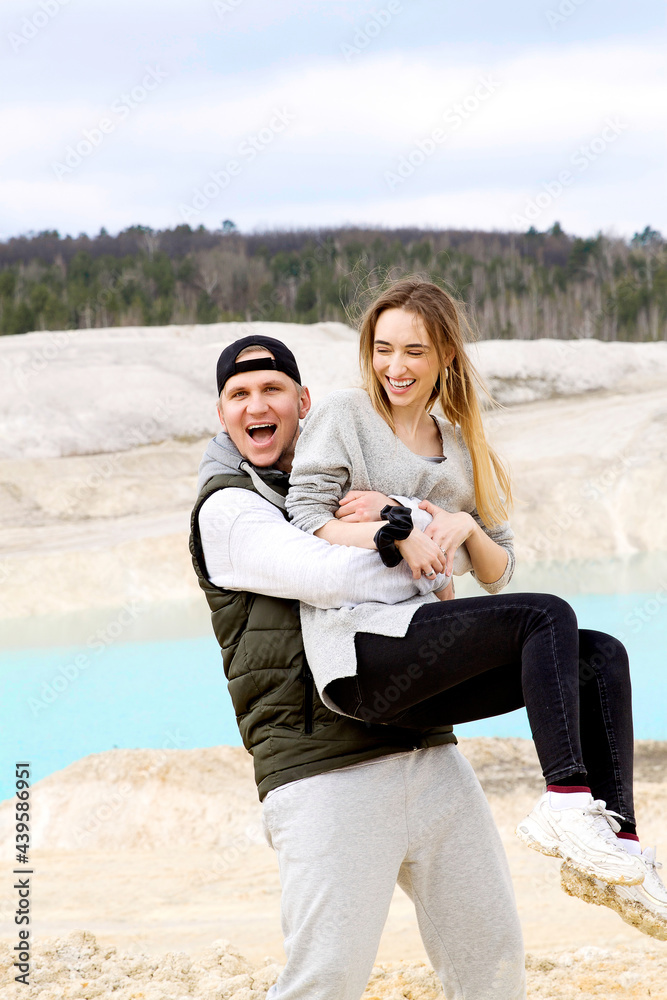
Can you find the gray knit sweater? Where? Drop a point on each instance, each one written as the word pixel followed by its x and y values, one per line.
pixel 345 445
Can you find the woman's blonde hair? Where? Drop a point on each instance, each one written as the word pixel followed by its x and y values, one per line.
pixel 445 321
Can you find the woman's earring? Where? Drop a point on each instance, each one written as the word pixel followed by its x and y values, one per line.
pixel 446 372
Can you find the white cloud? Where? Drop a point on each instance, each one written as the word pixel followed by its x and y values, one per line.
pixel 372 110
pixel 33 201
pixel 581 210
pixel 542 97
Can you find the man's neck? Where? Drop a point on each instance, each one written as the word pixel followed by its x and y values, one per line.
pixel 284 463
pixel 281 465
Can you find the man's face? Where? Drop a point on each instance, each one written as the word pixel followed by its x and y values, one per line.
pixel 260 411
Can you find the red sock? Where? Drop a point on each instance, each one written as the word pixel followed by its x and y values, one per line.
pixel 568 788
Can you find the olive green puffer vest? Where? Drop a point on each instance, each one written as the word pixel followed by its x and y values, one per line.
pixel 282 721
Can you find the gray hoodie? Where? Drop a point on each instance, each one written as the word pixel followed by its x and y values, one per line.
pixel 222 458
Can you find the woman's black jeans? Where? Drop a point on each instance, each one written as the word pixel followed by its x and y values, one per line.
pixel 477 657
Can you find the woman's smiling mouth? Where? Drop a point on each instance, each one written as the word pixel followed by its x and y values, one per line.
pixel 400 385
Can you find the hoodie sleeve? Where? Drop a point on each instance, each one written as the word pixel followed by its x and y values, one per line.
pixel 326 453
pixel 248 545
pixel 502 535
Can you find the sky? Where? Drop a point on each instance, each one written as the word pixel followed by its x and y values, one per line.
pixel 303 113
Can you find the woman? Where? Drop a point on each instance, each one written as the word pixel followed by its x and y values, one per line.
pixel 362 456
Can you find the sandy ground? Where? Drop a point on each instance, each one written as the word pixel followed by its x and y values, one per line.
pixel 151 853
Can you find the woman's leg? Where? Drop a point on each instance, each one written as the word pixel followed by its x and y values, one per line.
pixel 466 651
pixel 479 644
pixel 605 714
pixel 607 738
pixel 607 741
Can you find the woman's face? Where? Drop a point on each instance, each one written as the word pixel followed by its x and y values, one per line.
pixel 404 358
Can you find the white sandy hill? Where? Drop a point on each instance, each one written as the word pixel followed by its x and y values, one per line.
pixel 81 392
pixel 149 863
pixel 101 432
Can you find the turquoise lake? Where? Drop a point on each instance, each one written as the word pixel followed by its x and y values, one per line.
pixel 172 692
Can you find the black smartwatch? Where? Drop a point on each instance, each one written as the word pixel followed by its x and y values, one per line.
pixel 399 525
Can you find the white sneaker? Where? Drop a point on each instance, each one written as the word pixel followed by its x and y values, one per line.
pixel 584 836
pixel 643 906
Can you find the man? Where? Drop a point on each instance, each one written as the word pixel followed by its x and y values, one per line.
pixel 349 807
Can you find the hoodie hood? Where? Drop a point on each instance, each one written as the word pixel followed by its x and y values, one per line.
pixel 222 458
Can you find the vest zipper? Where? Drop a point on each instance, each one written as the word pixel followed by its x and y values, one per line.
pixel 307 679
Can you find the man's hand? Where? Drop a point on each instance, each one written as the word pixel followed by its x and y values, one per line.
pixel 448 531
pixel 362 505
pixel 421 554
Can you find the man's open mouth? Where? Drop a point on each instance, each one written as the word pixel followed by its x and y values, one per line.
pixel 261 433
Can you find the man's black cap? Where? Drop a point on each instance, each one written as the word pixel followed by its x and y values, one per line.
pixel 283 360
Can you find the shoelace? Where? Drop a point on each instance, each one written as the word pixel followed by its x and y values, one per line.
pixel 649 856
pixel 653 882
pixel 604 822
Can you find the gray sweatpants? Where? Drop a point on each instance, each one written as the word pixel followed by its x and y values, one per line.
pixel 343 839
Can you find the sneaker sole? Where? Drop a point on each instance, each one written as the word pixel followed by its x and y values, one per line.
pixel 533 836
pixel 574 883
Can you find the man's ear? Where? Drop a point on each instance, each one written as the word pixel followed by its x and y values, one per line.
pixel 222 421
pixel 305 403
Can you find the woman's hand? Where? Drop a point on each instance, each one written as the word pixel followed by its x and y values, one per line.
pixel 421 554
pixel 448 531
pixel 362 505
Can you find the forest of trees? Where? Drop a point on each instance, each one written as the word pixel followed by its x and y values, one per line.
pixel 537 284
